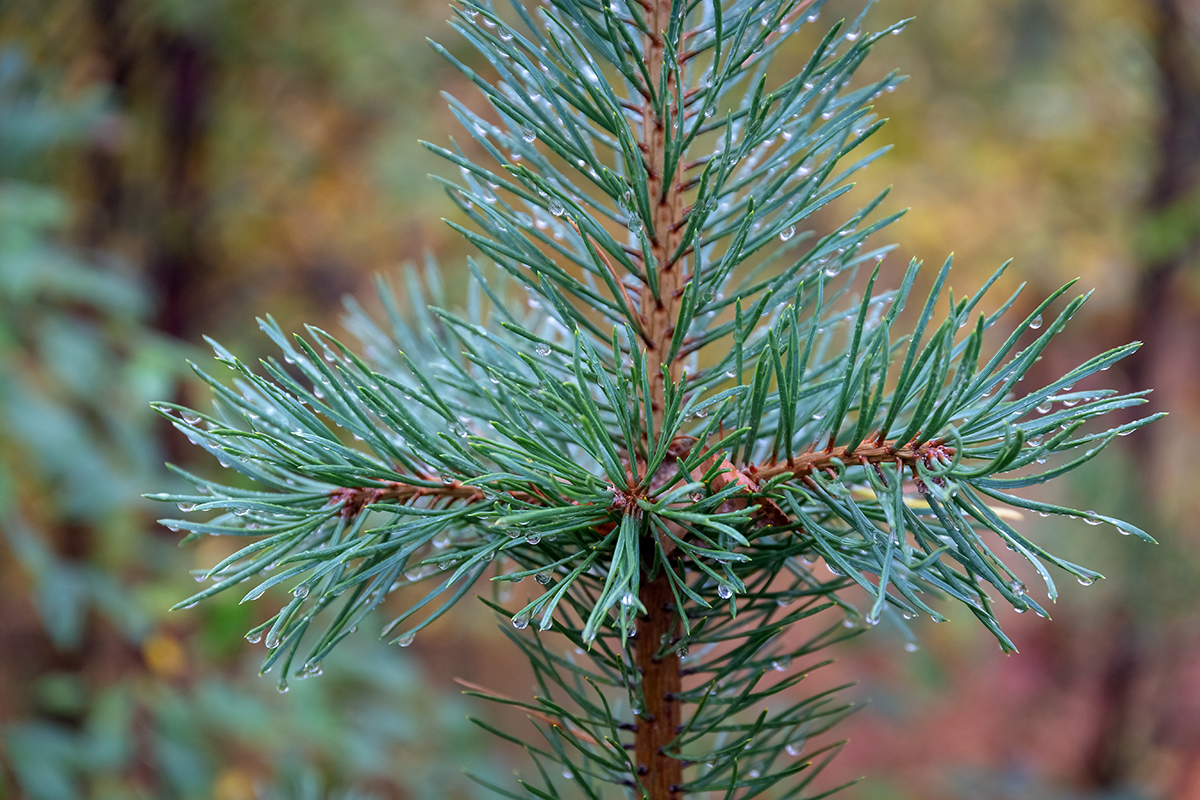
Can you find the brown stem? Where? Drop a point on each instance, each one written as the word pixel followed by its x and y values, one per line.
pixel 666 200
pixel 661 775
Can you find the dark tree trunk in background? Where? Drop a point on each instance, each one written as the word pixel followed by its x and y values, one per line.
pixel 1166 318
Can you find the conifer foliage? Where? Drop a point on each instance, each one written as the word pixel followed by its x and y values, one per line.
pixel 670 394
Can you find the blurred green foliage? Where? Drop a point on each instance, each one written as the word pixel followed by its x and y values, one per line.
pixel 117 702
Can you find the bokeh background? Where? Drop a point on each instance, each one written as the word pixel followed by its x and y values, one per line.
pixel 170 169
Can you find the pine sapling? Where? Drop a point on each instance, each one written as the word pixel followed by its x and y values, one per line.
pixel 673 390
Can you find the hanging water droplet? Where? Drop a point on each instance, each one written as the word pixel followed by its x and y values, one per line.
pixel 190 417
pixel 710 112
pixel 724 592
pixel 272 640
pixel 628 599
pixel 1092 518
pixel 781 664
pixel 521 622
pixel 506 35
pixel 696 497
pixel 1086 580
pixel 556 207
pixel 406 639
pixel 542 578
pixel 254 637
pixel 911 647
pixel 787 233
pixel 300 591
pixel 186 507
pixel 241 512
pixel 1045 407
pixel 852 36
pixel 528 134
pixel 542 349
pixel 568 774
pixel 1036 322
pixel 533 538
pixel 794 749
pixel 871 619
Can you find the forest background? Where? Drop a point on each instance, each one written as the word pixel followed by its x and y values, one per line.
pixel 171 169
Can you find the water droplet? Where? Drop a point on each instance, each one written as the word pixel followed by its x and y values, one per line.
pixel 911 647
pixel 787 233
pixel 1092 518
pixel 254 637
pixel 628 599
pixel 682 650
pixel 696 497
pixel 852 36
pixel 710 111
pixel 542 578
pixel 1086 580
pixel 794 749
pixel 724 592
pixel 300 591
pixel 528 134
pixel 781 664
pixel 186 507
pixel 556 207
pixel 272 640
pixel 406 639
pixel 533 538
pixel 568 774
pixel 1036 322
pixel 506 35
pixel 872 619
pixel 543 349
pixel 1045 407
pixel 190 417
pixel 850 622
pixel 521 622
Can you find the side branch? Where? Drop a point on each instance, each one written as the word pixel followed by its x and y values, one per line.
pixel 355 498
